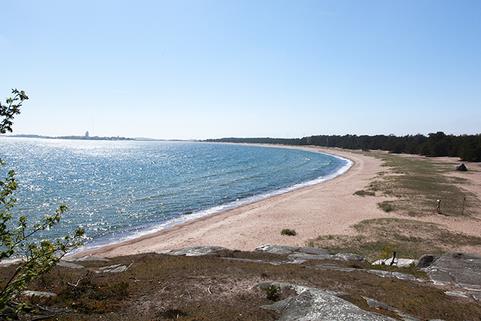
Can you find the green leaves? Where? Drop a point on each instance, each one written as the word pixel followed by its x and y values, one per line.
pixel 10 109
pixel 17 236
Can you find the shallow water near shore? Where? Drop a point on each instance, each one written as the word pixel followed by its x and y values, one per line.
pixel 122 189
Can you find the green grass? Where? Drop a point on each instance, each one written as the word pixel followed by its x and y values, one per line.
pixel 273 293
pixel 417 183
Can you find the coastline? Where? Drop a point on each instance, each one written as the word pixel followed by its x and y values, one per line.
pixel 307 209
pixel 239 203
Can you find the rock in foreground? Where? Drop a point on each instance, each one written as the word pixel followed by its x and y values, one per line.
pixel 311 304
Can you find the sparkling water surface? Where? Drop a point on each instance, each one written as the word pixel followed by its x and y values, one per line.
pixel 119 189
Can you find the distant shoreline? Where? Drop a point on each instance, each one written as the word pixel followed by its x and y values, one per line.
pixel 108 138
pixel 70 137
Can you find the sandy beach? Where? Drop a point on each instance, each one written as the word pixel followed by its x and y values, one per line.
pixel 325 208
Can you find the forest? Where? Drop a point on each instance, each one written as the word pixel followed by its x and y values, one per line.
pixel 466 147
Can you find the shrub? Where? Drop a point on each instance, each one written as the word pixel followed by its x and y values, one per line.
pixel 386 206
pixel 365 193
pixel 288 232
pixel 273 292
pixel 17 234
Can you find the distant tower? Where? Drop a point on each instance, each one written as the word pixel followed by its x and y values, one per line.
pixel 87 134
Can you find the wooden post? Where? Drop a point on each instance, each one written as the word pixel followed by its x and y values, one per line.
pixel 438 206
pixel 393 258
pixel 464 203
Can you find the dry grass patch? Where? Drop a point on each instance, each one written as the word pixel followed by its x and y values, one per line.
pixel 387 206
pixel 364 193
pixel 417 184
pixel 214 288
pixel 378 238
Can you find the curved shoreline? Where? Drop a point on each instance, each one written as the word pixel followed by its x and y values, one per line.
pixel 218 209
pixel 211 229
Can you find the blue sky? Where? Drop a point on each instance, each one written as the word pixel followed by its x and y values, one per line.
pixel 202 69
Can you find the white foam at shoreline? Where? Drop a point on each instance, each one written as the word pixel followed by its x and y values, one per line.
pixel 221 208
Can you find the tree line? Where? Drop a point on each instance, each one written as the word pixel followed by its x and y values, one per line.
pixel 466 147
pixel 257 140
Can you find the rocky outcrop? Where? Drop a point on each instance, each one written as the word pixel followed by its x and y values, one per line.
pixel 302 257
pixel 348 257
pixel 198 251
pixel 69 265
pixel 460 270
pixel 426 260
pixel 311 304
pixel 295 254
pixel 281 249
pixel 399 262
pixel 462 168
pixel 38 294
pixel 302 254
pixel 116 268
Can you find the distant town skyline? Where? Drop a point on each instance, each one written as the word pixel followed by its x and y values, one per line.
pixel 211 69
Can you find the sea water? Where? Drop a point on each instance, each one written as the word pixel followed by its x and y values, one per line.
pixel 122 189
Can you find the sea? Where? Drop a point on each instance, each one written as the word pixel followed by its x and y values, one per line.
pixel 117 190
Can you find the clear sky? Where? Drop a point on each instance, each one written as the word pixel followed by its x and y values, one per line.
pixel 205 69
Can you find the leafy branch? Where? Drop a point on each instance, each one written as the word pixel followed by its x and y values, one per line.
pixel 18 236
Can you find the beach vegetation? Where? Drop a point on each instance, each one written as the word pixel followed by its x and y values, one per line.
pixel 273 292
pixel 386 206
pixel 378 238
pixel 288 232
pixel 415 185
pixel 17 233
pixel 164 287
pixel 365 193
pixel 89 295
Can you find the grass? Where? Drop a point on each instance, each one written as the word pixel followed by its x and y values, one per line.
pixel 89 296
pixel 386 206
pixel 417 183
pixel 412 185
pixel 378 238
pixel 288 232
pixel 365 193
